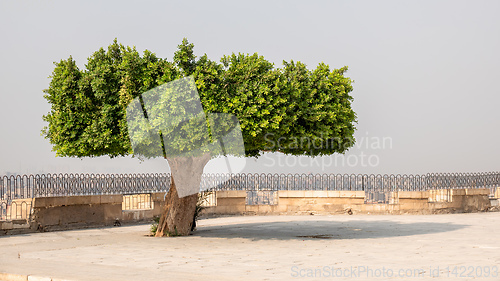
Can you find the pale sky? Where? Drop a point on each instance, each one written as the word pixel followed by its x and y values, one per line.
pixel 426 73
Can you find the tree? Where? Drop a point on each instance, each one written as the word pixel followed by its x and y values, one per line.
pixel 292 110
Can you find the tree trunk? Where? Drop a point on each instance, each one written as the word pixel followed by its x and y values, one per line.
pixel 180 202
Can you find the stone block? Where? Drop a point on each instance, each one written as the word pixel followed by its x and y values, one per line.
pixel 333 193
pixel 236 193
pixel 309 193
pixel 111 199
pixel 221 194
pixel 296 193
pixel 44 202
pixel 293 208
pixel 6 225
pixel 368 207
pixel 332 208
pixel 237 209
pixel 209 210
pixel 438 205
pixel 281 208
pixel 351 194
pixel 475 203
pixel 82 200
pixel 285 200
pixel 229 201
pixel 158 208
pixel 265 209
pixel 411 204
pixel 252 208
pixel 347 201
pixel 220 210
pixel 413 194
pixel 158 196
pixel 392 208
pixel 134 215
pixel 360 194
pixel 320 193
pixel 282 193
pixel 477 191
pixel 347 194
pixel 457 192
pixel 309 201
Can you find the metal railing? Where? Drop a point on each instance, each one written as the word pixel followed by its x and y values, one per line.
pixel 47 185
pixel 351 182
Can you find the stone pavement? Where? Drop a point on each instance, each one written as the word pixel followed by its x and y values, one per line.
pixel 340 247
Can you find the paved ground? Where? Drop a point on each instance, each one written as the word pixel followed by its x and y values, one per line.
pixel 341 247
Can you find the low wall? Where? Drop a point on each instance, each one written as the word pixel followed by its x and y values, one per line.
pixel 54 213
pixel 335 202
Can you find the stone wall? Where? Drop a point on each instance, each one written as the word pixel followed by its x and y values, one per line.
pixel 54 213
pixel 352 202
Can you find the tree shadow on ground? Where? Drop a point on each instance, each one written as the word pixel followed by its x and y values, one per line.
pixel 321 229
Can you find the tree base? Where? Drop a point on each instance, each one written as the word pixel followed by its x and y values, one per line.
pixel 178 214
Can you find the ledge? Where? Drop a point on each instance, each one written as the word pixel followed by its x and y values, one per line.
pixel 231 193
pixel 478 191
pixel 45 202
pixel 413 194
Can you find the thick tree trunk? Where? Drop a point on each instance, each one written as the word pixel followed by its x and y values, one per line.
pixel 178 213
pixel 181 199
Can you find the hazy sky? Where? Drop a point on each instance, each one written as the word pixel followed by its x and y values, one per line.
pixel 426 73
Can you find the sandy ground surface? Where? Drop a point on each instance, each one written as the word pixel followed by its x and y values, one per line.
pixel 340 247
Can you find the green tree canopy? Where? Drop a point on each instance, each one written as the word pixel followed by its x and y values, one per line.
pixel 291 109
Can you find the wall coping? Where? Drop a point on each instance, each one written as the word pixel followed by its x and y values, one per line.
pixel 57 201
